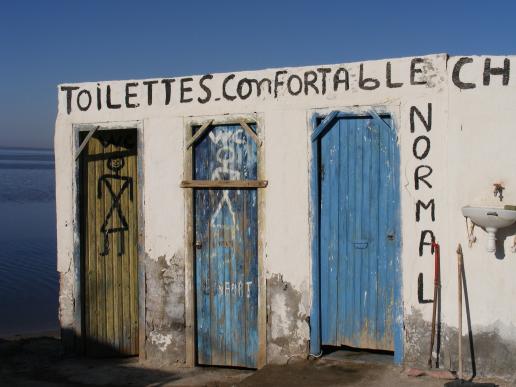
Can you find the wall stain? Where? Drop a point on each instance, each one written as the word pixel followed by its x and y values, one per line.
pixel 165 309
pixel 494 356
pixel 431 73
pixel 287 326
pixel 67 305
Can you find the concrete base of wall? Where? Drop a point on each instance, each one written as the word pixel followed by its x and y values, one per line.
pixel 165 310
pixel 485 352
pixel 67 310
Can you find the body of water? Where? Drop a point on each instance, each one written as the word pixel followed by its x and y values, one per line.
pixel 29 284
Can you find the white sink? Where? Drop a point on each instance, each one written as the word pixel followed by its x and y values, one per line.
pixel 490 218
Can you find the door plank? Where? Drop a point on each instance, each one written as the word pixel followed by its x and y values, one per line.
pixel 362 237
pixel 101 264
pixel 333 247
pixel 91 269
pixel 133 246
pixel 344 242
pixel 202 256
pixel 218 339
pixel 108 259
pixel 350 273
pixel 327 336
pixel 251 278
pixel 374 251
pixel 357 234
pixel 116 300
pixel 204 286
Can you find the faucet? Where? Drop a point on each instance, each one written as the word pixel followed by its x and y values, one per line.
pixel 498 190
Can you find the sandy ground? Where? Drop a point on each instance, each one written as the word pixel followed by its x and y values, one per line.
pixel 41 362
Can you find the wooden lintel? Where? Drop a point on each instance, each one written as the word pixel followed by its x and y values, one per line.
pixel 224 184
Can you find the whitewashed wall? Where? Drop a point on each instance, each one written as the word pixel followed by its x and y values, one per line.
pixel 472 138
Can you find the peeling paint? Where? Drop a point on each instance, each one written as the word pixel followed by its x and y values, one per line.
pixel 164 309
pixel 161 341
pixel 67 309
pixel 431 74
pixel 288 329
pixel 468 115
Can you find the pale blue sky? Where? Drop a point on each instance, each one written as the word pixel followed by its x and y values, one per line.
pixel 44 43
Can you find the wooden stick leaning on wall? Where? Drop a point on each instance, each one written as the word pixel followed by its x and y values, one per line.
pixel 459 278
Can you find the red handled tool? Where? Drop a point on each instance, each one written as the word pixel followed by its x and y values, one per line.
pixel 437 284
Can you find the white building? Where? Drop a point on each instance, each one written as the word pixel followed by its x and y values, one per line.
pixel 339 178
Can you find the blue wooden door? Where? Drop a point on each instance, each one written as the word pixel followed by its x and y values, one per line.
pixel 359 232
pixel 226 231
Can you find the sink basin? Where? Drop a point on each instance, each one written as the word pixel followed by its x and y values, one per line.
pixel 490 218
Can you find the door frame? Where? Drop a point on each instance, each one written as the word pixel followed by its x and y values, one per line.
pixel 79 323
pixel 320 122
pixel 190 300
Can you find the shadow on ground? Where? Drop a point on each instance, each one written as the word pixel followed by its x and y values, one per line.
pixel 339 370
pixel 42 362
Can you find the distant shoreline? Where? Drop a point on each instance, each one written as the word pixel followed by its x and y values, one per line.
pixel 25 148
pixel 26 158
pixel 32 334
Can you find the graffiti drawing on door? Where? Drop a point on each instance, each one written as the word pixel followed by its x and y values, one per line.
pixel 226 230
pixel 109 243
pixel 106 183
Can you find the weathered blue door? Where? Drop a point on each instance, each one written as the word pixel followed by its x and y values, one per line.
pixel 226 231
pixel 359 232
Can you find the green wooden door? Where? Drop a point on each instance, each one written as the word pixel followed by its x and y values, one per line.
pixel 109 241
